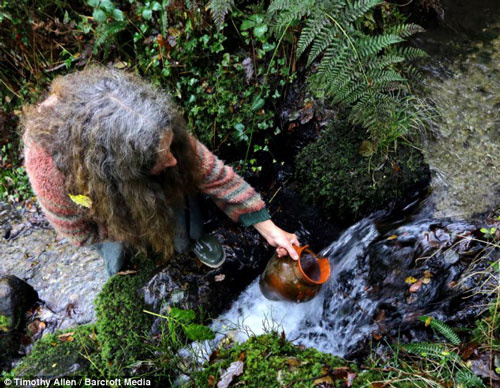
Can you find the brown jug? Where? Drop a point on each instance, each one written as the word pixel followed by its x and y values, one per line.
pixel 294 280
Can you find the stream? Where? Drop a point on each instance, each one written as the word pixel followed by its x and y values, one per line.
pixel 367 294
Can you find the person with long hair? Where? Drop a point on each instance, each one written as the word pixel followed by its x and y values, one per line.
pixel 112 165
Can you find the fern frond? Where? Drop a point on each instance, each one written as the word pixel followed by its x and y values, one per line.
pixel 286 11
pixel 355 10
pixel 388 76
pixel 329 35
pixel 281 5
pixel 468 379
pixel 442 328
pixel 373 44
pixel 405 30
pixel 106 32
pixel 410 53
pixel 384 61
pixel 357 70
pixel 311 30
pixel 219 9
pixel 412 73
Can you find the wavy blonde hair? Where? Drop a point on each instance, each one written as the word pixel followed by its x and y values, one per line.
pixel 103 134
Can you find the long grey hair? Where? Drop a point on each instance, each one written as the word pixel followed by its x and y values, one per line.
pixel 104 135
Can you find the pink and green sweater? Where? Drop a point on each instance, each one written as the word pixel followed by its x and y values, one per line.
pixel 230 192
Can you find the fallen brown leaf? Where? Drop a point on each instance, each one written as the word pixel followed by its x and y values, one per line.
pixel 416 286
pixel 466 352
pixel 67 337
pixel 36 326
pixel 321 380
pixel 128 272
pixel 294 362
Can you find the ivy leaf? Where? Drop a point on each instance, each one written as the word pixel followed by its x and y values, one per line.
pixel 156 6
pixel 198 332
pixel 147 14
pixel 257 103
pixel 247 24
pixel 99 15
pixel 260 31
pixel 107 5
pixel 93 3
pixel 118 15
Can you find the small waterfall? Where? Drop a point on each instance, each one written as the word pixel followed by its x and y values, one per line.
pixel 334 321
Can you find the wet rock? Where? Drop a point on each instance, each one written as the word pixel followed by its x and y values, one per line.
pixel 16 298
pixel 66 278
pixel 188 284
pixel 436 264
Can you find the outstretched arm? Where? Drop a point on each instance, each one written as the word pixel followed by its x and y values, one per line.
pixel 240 201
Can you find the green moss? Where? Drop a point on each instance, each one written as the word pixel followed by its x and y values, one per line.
pixel 335 177
pixel 122 326
pixel 54 356
pixel 5 323
pixel 270 361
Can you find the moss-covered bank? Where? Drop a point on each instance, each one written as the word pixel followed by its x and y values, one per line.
pixel 335 176
pixel 271 361
pixel 108 348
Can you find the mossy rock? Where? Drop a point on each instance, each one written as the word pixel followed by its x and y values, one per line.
pixel 271 361
pixel 122 326
pixel 333 175
pixel 62 354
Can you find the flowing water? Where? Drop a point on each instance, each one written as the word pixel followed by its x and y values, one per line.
pixel 367 293
pixel 331 322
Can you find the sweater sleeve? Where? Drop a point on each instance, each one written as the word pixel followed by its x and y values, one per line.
pixel 68 219
pixel 229 191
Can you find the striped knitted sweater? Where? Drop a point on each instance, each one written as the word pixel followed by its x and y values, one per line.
pixel 230 192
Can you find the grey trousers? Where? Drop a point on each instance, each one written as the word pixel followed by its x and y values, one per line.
pixel 188 229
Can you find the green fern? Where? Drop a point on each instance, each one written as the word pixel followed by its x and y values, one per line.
pixel 219 9
pixel 468 379
pixel 441 328
pixel 358 70
pixel 106 32
pixel 438 351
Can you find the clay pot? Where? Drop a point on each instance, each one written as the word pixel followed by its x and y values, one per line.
pixel 294 280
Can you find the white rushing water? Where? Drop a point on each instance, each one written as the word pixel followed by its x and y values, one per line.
pixel 333 322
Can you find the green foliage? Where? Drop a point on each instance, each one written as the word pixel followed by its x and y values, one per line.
pixel 357 66
pixel 342 173
pixel 270 361
pixel 451 367
pixel 14 183
pixel 441 328
pixel 5 323
pixel 53 355
pixel 489 233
